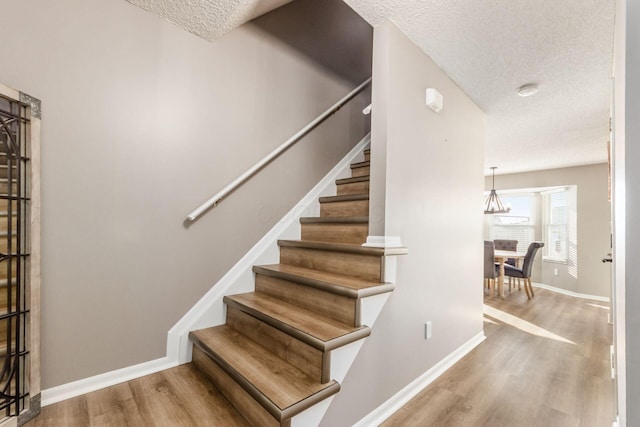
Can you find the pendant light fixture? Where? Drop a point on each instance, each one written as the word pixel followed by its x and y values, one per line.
pixel 493 205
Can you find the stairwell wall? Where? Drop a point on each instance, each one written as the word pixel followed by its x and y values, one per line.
pixel 433 195
pixel 142 122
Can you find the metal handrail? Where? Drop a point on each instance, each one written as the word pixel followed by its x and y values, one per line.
pixel 216 198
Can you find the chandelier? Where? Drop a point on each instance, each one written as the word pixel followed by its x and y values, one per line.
pixel 493 205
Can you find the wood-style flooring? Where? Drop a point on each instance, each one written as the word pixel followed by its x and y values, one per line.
pixel 545 362
pixel 180 397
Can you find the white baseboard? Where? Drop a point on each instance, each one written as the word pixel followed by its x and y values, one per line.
pixel 401 398
pixel 87 385
pixel 570 293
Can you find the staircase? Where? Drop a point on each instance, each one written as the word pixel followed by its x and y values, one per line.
pixel 14 268
pixel 5 218
pixel 4 281
pixel 272 358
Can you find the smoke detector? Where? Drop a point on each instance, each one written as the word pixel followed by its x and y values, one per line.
pixel 528 90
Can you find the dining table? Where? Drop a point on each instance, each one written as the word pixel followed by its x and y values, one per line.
pixel 501 256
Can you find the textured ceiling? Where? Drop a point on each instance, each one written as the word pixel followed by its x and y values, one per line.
pixel 490 48
pixel 209 19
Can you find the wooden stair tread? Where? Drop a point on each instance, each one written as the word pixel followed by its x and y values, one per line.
pixel 4 154
pixel 312 328
pixel 352 180
pixel 14 196
pixel 277 385
pixel 360 165
pixel 335 220
pixel 5 282
pixel 272 354
pixel 346 198
pixel 335 283
pixel 343 247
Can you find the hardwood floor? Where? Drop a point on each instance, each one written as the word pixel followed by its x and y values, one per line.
pixel 545 363
pixel 181 396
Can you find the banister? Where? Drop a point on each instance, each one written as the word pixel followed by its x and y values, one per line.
pixel 217 198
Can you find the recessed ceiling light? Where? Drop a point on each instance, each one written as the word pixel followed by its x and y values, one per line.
pixel 528 89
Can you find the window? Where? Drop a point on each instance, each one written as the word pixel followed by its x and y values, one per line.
pixel 519 224
pixel 556 225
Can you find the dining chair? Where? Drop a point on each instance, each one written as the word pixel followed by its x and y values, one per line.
pixel 524 272
pixel 507 245
pixel 490 269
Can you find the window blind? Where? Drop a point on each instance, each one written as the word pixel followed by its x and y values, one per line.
pixel 519 224
pixel 556 225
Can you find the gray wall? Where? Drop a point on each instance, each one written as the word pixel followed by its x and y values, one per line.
pixel 141 123
pixel 434 185
pixel 586 274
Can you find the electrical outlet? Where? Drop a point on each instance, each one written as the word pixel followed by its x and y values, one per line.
pixel 427 330
pixel 555 272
